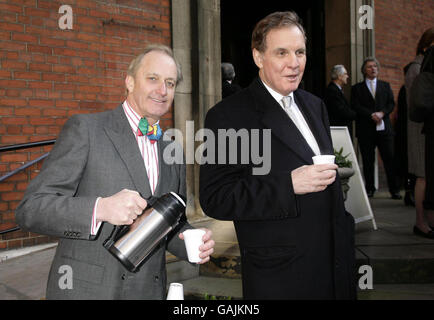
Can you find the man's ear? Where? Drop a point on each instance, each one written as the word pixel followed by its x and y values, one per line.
pixel 258 58
pixel 129 83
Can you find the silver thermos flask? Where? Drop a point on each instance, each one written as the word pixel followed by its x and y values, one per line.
pixel 132 244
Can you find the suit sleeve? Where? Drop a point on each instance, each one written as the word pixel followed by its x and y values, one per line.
pixel 49 205
pixel 232 192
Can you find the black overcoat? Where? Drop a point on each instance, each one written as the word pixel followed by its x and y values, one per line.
pixel 292 246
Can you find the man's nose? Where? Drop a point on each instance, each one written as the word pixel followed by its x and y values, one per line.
pixel 292 60
pixel 162 88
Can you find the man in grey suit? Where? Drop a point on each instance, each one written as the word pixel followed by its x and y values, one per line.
pixel 98 174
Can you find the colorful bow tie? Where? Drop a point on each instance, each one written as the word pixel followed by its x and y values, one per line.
pixel 152 132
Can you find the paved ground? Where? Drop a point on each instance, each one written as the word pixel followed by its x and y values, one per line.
pixel 403 264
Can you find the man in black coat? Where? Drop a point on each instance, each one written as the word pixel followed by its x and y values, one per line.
pixel 228 76
pixel 373 101
pixel 339 110
pixel 296 239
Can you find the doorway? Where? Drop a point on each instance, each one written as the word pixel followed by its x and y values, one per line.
pixel 238 18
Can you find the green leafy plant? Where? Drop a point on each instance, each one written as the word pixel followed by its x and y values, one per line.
pixel 211 297
pixel 342 160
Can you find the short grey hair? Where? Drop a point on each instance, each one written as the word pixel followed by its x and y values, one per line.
pixel 135 64
pixel 228 71
pixel 337 70
pixel 369 59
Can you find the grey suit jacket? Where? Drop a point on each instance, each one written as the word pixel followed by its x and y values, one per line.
pixel 97 155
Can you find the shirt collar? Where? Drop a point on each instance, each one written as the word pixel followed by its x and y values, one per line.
pixel 338 85
pixel 369 80
pixel 132 116
pixel 276 95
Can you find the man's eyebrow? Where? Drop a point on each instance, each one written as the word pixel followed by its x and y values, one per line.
pixel 158 76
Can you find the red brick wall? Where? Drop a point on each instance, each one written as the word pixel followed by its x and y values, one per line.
pixel 48 74
pixel 399 24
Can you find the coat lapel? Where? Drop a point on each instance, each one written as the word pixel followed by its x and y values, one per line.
pixel 315 123
pixel 163 168
pixel 276 119
pixel 120 133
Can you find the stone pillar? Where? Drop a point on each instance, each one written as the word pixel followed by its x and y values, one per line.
pixel 209 67
pixel 362 40
pixel 196 44
pixel 183 105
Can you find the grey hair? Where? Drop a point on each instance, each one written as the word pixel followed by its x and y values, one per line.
pixel 135 64
pixel 228 71
pixel 369 59
pixel 337 70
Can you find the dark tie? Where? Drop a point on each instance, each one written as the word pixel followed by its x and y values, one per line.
pixel 152 132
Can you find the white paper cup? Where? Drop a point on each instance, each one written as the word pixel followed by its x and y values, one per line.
pixel 176 291
pixel 193 240
pixel 324 159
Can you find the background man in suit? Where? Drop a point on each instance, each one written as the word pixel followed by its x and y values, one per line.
pixel 296 240
pixel 339 110
pixel 373 101
pixel 228 76
pixel 98 174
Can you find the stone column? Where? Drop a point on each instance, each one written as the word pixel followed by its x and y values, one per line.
pixel 183 105
pixel 362 39
pixel 196 44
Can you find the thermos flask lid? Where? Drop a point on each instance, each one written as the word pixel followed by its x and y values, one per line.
pixel 178 197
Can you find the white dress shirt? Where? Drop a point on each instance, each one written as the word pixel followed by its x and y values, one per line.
pixel 296 116
pixel 372 86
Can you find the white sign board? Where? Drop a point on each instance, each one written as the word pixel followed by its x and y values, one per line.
pixel 357 202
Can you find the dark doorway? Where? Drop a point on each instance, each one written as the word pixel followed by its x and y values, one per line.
pixel 238 18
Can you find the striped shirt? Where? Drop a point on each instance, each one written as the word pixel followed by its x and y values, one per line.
pixel 149 152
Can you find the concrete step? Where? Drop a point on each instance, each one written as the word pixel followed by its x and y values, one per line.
pixel 201 287
pixel 390 265
pixel 225 288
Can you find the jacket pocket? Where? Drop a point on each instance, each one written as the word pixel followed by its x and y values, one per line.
pixel 83 271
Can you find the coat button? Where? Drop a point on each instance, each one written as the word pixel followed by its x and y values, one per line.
pixel 123 277
pixel 156 278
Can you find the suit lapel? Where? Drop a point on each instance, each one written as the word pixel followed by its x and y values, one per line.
pixel 367 93
pixel 163 168
pixel 120 133
pixel 315 123
pixel 276 119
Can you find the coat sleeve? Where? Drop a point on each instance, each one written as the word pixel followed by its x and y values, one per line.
pixel 422 97
pixel 49 205
pixel 233 192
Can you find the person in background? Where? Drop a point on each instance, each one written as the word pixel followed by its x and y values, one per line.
pixel 422 110
pixel 228 76
pixel 416 140
pixel 339 109
pixel 372 99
